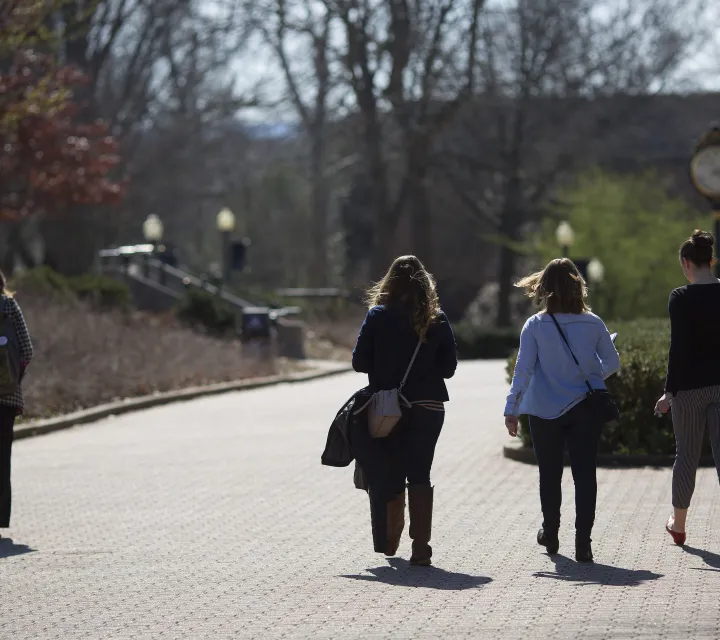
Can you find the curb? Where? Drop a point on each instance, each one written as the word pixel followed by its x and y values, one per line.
pixel 526 455
pixel 93 414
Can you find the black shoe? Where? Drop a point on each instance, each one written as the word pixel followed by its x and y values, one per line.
pixel 549 541
pixel 583 551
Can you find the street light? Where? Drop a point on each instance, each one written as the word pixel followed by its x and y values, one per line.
pixel 596 271
pixel 705 175
pixel 226 225
pixel 596 274
pixel 565 237
pixel 153 229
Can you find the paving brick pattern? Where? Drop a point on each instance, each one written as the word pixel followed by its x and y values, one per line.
pixel 213 519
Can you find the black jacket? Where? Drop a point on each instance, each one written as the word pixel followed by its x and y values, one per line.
pixel 338 448
pixel 385 347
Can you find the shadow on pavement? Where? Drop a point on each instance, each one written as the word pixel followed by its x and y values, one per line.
pixel 401 574
pixel 8 548
pixel 711 559
pixel 570 571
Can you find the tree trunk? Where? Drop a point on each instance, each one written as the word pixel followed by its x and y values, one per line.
pixel 320 204
pixel 421 218
pixel 385 223
pixel 511 222
pixel 71 241
pixel 505 282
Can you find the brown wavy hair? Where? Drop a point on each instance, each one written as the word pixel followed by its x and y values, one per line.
pixel 558 288
pixel 408 284
pixel 4 291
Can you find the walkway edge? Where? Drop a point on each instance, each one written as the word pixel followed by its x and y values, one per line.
pixel 526 455
pixel 93 414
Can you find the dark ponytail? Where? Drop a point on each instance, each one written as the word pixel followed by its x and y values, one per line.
pixel 698 248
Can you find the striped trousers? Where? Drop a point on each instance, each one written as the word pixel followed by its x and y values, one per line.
pixel 692 411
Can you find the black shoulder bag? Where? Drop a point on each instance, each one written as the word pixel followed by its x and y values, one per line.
pixel 599 401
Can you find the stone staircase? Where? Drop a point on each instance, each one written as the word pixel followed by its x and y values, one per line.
pixel 157 286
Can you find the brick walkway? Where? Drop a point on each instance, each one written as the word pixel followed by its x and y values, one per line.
pixel 214 519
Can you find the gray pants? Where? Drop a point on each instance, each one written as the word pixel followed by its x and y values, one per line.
pixel 691 412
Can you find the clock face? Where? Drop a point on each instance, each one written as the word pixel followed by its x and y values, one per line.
pixel 706 171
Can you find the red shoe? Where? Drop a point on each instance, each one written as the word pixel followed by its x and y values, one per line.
pixel 678 537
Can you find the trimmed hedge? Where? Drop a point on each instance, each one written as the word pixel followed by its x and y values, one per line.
pixel 643 346
pixel 476 343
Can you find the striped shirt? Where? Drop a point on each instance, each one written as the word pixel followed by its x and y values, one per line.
pixel 11 308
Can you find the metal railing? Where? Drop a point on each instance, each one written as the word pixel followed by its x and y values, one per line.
pixel 138 262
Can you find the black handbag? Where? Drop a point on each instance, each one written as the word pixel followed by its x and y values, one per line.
pixel 599 401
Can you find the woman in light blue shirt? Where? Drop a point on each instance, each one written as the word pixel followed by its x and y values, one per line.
pixel 549 387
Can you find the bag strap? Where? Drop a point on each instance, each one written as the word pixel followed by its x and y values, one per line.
pixel 562 334
pixel 412 362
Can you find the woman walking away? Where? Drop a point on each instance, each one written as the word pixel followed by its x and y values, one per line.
pixel 15 355
pixel 692 387
pixel 552 389
pixel 405 319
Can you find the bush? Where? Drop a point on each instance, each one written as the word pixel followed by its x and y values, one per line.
pixel 200 308
pixel 643 346
pixel 482 343
pixel 100 291
pixel 43 281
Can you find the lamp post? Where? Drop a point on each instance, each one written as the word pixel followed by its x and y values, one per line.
pixel 565 237
pixel 596 274
pixel 596 271
pixel 705 175
pixel 226 225
pixel 153 231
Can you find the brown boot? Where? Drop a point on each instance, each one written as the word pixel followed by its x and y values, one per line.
pixel 395 523
pixel 421 507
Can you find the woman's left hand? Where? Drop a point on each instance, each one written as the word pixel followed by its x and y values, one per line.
pixel 663 405
pixel 511 424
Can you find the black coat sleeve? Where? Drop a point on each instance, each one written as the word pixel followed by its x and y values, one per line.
pixel 678 333
pixel 362 357
pixel 446 358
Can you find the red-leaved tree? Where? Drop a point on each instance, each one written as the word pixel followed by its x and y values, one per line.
pixel 50 160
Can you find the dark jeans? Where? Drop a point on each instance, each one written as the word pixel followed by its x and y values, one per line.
pixel 581 432
pixel 420 433
pixel 7 422
pixel 412 447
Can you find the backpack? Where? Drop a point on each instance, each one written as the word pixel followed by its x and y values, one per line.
pixel 10 359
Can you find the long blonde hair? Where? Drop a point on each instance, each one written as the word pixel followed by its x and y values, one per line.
pixel 407 284
pixel 559 287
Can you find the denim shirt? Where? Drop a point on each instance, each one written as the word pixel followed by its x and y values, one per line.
pixel 547 383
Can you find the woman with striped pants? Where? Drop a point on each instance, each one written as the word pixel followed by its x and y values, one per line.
pixel 692 389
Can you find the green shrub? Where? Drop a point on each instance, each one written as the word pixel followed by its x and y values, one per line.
pixel 643 346
pixel 100 291
pixel 200 308
pixel 43 281
pixel 476 343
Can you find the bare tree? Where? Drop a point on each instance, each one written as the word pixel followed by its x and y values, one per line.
pixel 298 32
pixel 556 77
pixel 163 73
pixel 411 66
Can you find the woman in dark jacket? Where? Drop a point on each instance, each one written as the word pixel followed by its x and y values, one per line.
pixel 12 404
pixel 692 388
pixel 404 311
